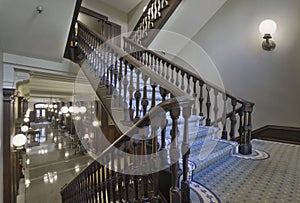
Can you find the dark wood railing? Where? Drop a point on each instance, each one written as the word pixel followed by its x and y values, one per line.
pixel 216 99
pixel 130 82
pixel 153 19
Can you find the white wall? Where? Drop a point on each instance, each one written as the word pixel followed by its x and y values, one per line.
pixel 270 79
pixel 189 17
pixel 114 15
pixel 1 126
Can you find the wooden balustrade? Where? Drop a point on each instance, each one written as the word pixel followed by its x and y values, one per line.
pixel 208 98
pixel 153 18
pixel 126 78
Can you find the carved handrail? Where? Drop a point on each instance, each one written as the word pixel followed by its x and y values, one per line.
pixel 154 16
pixel 141 48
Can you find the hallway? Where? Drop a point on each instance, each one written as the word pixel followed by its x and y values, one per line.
pixel 51 164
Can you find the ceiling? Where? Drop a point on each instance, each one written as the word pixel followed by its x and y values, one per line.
pixel 123 5
pixel 26 32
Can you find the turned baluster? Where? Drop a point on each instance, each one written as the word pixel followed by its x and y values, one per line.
pixel 245 144
pixel 172 74
pixel 168 71
pixel 102 66
pixel 86 197
pixel 158 66
pixel 119 176
pixel 156 119
pixel 224 117
pixel 174 153
pixel 127 179
pixel 216 108
pixel 148 59
pixel 145 179
pixel 233 120
pixel 104 182
pixel 195 96
pixel 166 3
pixel 157 9
pixel 153 100
pixel 163 93
pixel 99 183
pixel 137 96
pixel 241 124
pixel 108 180
pixel 131 90
pixel 185 184
pixel 182 80
pixel 125 84
pixel 201 99
pixel 115 71
pixel 120 76
pixel 144 57
pixel 208 105
pixel 163 73
pixel 155 64
pixel 145 101
pixel 107 67
pixel 92 184
pixel 113 177
pixel 136 177
pixel 177 77
pixel 111 69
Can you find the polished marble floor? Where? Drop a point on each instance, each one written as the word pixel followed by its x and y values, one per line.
pixel 51 162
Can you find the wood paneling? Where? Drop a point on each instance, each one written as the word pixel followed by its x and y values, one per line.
pixel 278 134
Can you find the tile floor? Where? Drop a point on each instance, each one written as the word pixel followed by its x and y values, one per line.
pixel 50 165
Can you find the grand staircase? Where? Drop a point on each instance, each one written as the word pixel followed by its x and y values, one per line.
pixel 164 118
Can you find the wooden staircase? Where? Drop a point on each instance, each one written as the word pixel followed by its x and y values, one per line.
pixel 161 115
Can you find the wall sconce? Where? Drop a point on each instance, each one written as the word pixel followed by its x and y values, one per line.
pixel 267 28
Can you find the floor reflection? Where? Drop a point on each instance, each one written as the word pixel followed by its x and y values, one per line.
pixel 51 162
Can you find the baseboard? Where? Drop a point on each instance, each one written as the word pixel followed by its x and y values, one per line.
pixel 278 133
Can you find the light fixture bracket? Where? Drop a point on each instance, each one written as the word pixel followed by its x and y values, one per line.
pixel 268 44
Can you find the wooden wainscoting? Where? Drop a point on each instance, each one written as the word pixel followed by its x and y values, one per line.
pixel 278 133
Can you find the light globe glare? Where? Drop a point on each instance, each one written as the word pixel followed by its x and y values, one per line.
pixel 64 109
pixel 267 27
pixel 19 140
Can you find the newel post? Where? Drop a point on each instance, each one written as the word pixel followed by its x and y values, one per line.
pixel 245 143
pixel 185 150
pixel 174 153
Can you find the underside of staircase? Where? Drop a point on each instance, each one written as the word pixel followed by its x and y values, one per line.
pixel 172 122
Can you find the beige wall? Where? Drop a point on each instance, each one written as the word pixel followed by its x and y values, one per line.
pixel 270 79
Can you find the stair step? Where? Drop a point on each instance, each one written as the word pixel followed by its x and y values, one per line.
pixel 210 152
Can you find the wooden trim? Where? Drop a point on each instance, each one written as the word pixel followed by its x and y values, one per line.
pixel 72 28
pixel 7 154
pixel 92 13
pixel 276 133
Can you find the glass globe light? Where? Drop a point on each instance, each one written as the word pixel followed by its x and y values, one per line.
pixel 24 128
pixel 71 109
pixel 19 140
pixel 64 109
pixel 26 120
pixel 267 27
pixel 82 109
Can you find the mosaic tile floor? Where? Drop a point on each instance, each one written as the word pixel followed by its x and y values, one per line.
pixel 272 177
